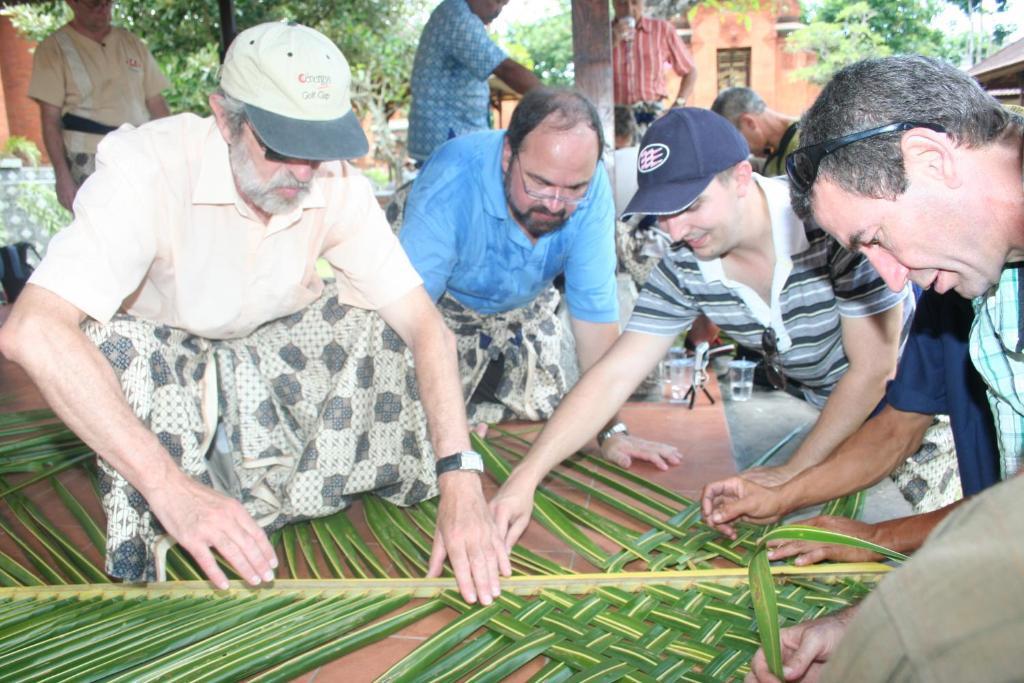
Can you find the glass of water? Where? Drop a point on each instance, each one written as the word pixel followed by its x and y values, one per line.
pixel 680 377
pixel 741 379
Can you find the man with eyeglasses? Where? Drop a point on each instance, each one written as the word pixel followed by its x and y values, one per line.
pixel 908 162
pixel 90 77
pixel 492 220
pixel 769 281
pixel 181 328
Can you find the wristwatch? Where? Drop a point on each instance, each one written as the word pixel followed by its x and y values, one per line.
pixel 463 460
pixel 617 428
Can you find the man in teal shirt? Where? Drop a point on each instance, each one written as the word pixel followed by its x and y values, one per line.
pixel 492 220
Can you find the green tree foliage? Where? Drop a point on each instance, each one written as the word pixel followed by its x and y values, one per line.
pixel 904 26
pixel 547 45
pixel 837 43
pixel 378 38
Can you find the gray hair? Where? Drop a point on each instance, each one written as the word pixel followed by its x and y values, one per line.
pixel 877 92
pixel 731 103
pixel 234 112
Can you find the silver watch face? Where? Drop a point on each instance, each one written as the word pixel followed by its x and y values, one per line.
pixel 471 460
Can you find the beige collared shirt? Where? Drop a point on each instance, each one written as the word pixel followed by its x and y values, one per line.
pixel 160 232
pixel 121 74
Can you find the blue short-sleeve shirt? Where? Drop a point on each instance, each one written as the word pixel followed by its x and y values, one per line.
pixel 461 238
pixel 935 376
pixel 450 95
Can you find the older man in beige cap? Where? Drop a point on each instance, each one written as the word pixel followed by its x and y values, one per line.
pixel 179 326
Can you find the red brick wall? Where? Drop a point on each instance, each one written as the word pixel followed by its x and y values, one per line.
pixel 771 66
pixel 19 115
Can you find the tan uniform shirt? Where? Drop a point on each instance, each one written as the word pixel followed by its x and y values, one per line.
pixel 121 74
pixel 160 232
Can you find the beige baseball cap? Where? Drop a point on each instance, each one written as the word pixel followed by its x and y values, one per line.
pixel 295 85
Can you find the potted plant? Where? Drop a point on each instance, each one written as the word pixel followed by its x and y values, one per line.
pixel 18 151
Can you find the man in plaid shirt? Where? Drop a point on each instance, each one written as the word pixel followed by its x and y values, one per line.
pixel 642 48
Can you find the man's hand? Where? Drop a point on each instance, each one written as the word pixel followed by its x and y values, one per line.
pixel 467 535
pixel 66 191
pixel 202 520
pixel 623 449
pixel 737 499
pixel 805 649
pixel 512 507
pixel 809 552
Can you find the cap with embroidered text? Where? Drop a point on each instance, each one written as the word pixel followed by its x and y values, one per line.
pixel 679 156
pixel 295 85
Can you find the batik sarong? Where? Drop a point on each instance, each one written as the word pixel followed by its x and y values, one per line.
pixel 317 408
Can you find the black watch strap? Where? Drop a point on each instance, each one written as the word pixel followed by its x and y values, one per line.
pixel 463 460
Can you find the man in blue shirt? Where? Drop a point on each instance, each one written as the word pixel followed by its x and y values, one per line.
pixel 492 220
pixel 455 57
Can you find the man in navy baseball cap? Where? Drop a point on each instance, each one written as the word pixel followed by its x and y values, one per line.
pixel 679 156
pixel 777 286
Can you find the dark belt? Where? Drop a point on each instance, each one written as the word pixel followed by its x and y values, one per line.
pixel 83 125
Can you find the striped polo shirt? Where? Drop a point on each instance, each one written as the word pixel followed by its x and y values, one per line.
pixel 815 283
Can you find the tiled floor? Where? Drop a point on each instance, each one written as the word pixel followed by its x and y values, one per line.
pixel 701 435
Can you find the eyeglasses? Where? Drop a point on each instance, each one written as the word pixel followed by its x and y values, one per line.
pixel 802 165
pixel 566 196
pixel 772 359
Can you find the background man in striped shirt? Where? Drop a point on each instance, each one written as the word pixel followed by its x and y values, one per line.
pixel 642 49
pixel 746 262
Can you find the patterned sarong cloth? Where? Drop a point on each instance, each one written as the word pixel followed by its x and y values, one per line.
pixel 81 165
pixel 930 478
pixel 530 338
pixel 318 407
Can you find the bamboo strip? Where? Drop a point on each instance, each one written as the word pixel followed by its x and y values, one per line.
pixel 518 585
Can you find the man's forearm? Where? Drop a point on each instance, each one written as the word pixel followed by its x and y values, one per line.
pixel 855 395
pixel 53 141
pixel 157 107
pixel 516 76
pixel 868 455
pixel 437 374
pixel 83 390
pixel 686 85
pixel 600 392
pixel 907 534
pixel 420 325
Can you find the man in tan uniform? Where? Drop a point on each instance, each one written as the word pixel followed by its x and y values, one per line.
pixel 90 77
pixel 180 328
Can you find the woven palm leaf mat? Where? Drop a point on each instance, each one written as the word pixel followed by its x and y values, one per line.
pixel 631 616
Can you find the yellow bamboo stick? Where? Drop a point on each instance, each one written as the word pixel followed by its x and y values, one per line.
pixel 425 588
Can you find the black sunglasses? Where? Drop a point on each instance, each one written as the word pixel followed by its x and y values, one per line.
pixel 772 359
pixel 802 165
pixel 268 154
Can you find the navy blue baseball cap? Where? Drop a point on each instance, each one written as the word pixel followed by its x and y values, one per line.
pixel 679 156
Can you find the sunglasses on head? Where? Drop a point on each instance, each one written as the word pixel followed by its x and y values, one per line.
pixel 802 165
pixel 772 359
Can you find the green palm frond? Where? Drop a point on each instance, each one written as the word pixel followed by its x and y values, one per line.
pixel 644 627
pixel 762 583
pixel 679 626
